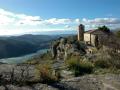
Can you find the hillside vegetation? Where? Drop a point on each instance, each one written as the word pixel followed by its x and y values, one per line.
pixel 66 66
pixel 20 45
pixel 106 59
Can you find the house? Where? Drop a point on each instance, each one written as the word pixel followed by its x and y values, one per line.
pixel 91 37
pixel 94 37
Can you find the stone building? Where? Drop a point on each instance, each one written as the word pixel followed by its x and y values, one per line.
pixel 91 37
pixel 80 32
pixel 94 37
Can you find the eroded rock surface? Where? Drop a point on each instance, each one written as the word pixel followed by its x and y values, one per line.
pixel 24 72
pixel 11 73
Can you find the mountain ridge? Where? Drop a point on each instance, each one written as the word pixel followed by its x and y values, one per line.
pixel 15 46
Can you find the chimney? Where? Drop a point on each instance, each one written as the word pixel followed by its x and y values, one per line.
pixel 81 32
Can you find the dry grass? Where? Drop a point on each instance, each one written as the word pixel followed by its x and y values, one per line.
pixel 78 66
pixel 44 73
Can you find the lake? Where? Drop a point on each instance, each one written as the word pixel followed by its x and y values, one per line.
pixel 21 59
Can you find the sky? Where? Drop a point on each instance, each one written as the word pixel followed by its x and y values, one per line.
pixel 48 16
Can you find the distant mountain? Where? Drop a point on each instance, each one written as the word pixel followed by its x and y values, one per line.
pixel 14 46
pixel 58 32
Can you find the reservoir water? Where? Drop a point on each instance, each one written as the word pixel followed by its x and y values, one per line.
pixel 21 59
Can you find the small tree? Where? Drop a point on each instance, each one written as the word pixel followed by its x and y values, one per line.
pixel 104 28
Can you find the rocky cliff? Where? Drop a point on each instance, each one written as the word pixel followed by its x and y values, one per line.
pixel 63 47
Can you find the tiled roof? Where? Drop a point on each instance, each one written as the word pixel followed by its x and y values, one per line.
pixel 90 31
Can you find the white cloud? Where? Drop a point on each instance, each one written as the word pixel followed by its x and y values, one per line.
pixel 77 21
pixel 84 20
pixel 94 23
pixel 25 17
pixel 28 20
pixel 13 23
pixel 67 26
pixel 7 17
pixel 6 13
pixel 101 21
pixel 4 20
pixel 58 21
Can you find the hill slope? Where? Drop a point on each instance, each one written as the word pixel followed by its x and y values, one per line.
pixel 20 45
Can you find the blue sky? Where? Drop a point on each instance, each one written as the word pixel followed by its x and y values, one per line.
pixel 38 16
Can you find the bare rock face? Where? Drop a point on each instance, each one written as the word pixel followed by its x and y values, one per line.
pixel 84 83
pixel 23 72
pixel 44 87
pixel 62 48
pixel 94 82
pixel 12 87
pixel 34 87
pixel 2 88
pixel 12 73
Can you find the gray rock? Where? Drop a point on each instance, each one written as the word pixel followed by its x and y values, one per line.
pixel 12 87
pixel 94 82
pixel 83 83
pixel 67 74
pixel 9 73
pixel 44 87
pixel 87 82
pixel 61 49
pixel 2 88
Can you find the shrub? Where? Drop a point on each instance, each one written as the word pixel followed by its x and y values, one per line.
pixel 107 59
pixel 107 70
pixel 102 63
pixel 40 58
pixel 31 62
pixel 78 66
pixel 46 56
pixel 118 33
pixel 115 60
pixel 45 73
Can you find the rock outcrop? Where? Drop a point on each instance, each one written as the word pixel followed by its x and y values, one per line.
pixel 87 82
pixel 16 73
pixel 94 82
pixel 63 47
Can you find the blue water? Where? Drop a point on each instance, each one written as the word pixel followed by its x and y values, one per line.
pixel 21 59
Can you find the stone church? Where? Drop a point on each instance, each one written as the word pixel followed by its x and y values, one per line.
pixel 91 37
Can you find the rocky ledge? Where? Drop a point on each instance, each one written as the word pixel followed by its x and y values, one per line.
pixel 87 82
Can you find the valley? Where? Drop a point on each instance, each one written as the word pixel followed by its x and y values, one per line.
pixel 22 59
pixel 15 46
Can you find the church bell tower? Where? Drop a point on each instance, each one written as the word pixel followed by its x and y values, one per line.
pixel 81 32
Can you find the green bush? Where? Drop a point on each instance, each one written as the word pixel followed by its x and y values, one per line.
pixel 78 66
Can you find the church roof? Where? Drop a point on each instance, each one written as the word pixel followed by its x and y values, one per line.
pixel 90 31
pixel 95 31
